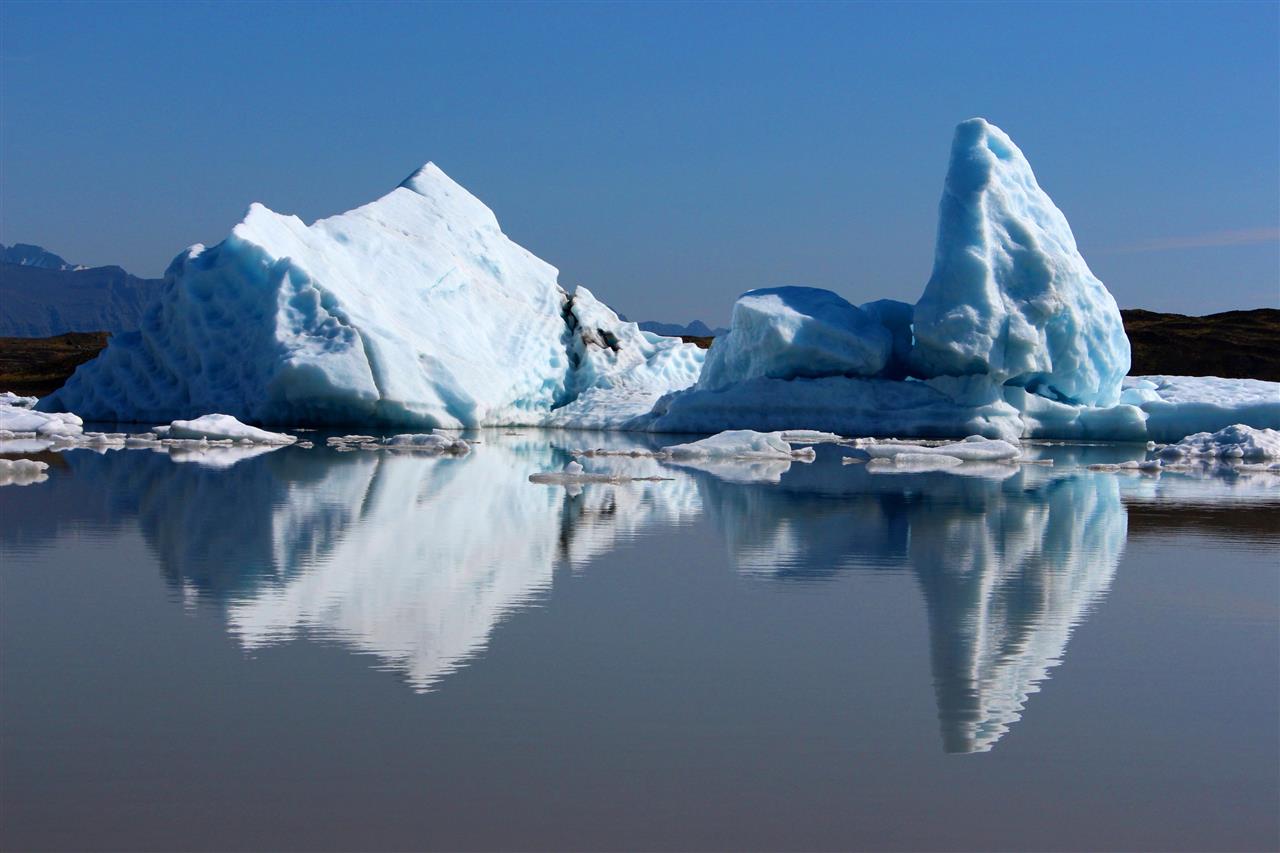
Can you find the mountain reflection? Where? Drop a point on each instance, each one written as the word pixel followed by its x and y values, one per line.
pixel 414 560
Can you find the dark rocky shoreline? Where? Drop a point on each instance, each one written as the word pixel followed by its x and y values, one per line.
pixel 40 366
pixel 1233 344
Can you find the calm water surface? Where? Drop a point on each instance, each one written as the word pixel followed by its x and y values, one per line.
pixel 315 650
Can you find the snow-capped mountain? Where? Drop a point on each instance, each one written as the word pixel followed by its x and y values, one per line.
pixel 27 255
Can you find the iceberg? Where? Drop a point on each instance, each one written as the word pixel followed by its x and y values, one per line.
pixel 1011 297
pixel 1012 338
pixel 417 312
pixel 413 310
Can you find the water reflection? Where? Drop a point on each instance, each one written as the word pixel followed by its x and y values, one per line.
pixel 415 560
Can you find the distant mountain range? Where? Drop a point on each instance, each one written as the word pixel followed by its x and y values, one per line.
pixel 696 329
pixel 27 255
pixel 42 295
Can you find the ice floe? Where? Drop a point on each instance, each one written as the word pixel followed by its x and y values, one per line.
pixel 1236 442
pixel 739 444
pixel 17 401
pixel 19 422
pixel 216 426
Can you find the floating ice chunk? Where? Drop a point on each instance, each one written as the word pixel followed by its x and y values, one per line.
pixel 738 444
pixel 350 439
pixel 429 443
pixel 1010 296
pixel 810 436
pixel 1236 442
pixel 16 419
pixel 975 448
pixel 217 426
pixel 8 398
pixel 790 332
pixel 22 472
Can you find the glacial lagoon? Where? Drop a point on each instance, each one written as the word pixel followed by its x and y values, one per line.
pixel 302 648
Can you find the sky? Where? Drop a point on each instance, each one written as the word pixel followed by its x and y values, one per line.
pixel 669 156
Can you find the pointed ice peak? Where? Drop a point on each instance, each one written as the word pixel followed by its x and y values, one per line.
pixel 1010 296
pixel 427 176
pixel 979 147
pixel 432 183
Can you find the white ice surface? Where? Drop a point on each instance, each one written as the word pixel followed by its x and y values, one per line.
pixel 737 444
pixel 412 310
pixel 975 448
pixel 8 398
pixel 16 419
pixel 1011 297
pixel 953 406
pixel 791 332
pixel 429 443
pixel 1234 442
pixel 218 426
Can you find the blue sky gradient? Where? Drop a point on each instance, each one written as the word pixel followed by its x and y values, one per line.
pixel 668 156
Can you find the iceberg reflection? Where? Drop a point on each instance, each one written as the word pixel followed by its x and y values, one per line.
pixel 1004 587
pixel 415 560
pixel 443 550
pixel 1008 565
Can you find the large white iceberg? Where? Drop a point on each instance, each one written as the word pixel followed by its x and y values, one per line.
pixel 414 309
pixel 1011 297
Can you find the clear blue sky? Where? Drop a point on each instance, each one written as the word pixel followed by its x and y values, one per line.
pixel 668 156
